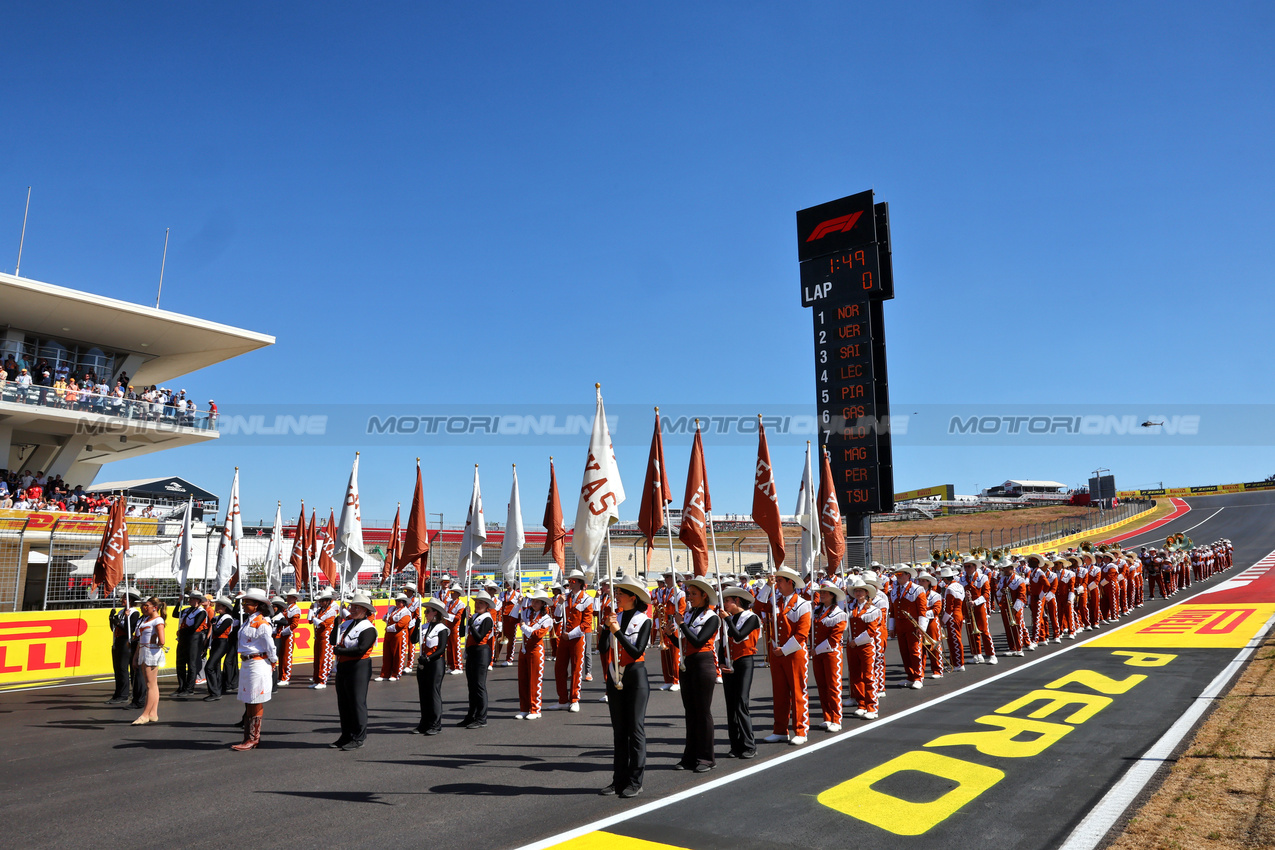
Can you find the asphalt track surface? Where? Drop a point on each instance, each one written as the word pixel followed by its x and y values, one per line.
pixel 75 771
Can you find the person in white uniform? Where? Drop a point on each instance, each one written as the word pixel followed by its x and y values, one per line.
pixel 257 657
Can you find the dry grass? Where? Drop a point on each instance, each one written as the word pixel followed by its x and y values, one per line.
pixel 987 520
pixel 1221 792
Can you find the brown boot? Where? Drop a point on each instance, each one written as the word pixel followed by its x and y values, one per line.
pixel 251 735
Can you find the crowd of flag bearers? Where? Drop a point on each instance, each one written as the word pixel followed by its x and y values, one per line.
pixel 709 627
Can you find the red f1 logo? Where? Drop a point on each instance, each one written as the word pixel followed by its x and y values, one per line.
pixel 835 225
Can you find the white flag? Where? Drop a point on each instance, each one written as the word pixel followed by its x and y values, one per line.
pixel 274 554
pixel 231 534
pixel 515 539
pixel 471 543
pixel 348 550
pixel 601 493
pixel 184 552
pixel 808 519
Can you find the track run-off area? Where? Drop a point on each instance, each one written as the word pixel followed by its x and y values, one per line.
pixel 1037 752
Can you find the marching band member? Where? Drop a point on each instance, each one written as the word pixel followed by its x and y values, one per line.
pixel 1012 590
pixel 414 635
pixel 257 656
pixel 628 690
pixel 494 636
pixel 558 611
pixel 536 623
pixel 953 616
pixel 932 652
pixel 221 651
pixel 282 631
pixel 670 603
pixel 788 660
pixel 323 616
pixel 909 605
pixel 431 664
pixel 192 621
pixel 1093 589
pixel 977 595
pixel 576 627
pixel 456 612
pixel 150 655
pixel 830 627
pixel 123 624
pixel 743 627
pixel 1066 591
pixel 697 632
pixel 292 612
pixel 478 660
pixel 352 643
pixel 878 586
pixel 863 624
pixel 398 630
pixel 510 610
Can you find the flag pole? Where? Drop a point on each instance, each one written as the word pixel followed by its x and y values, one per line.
pixel 668 525
pixel 717 572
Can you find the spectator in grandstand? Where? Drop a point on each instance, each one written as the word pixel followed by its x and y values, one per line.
pixel 6 501
pixel 24 385
pixel 10 365
pixel 73 395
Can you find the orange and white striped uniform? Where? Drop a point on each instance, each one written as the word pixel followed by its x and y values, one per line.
pixel 865 622
pixel 295 618
pixel 453 616
pixel 323 619
pixel 788 664
pixel 398 635
pixel 830 629
pixel 531 661
pixel 577 625
pixel 953 619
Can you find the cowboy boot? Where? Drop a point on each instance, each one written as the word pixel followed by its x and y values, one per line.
pixel 251 735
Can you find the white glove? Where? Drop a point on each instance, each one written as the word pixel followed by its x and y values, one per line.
pixel 863 639
pixel 947 618
pixel 823 648
pixel 575 633
pixel 1071 597
pixel 790 647
pixel 391 628
pixel 923 624
pixel 890 624
pixel 1018 606
pixel 522 629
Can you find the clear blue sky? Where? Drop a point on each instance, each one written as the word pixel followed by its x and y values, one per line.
pixel 435 203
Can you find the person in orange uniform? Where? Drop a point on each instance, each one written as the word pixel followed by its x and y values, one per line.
pixel 743 627
pixel 788 660
pixel 510 604
pixel 625 637
pixel 829 620
pixel 864 622
pixel 952 616
pixel 577 625
pixel 1065 589
pixel 536 624
pixel 558 613
pixel 1093 589
pixel 978 594
pixel 398 631
pixel 909 604
pixel 932 650
pixel 414 635
pixel 456 613
pixel 1012 590
pixel 670 601
pixel 323 617
pixel 293 617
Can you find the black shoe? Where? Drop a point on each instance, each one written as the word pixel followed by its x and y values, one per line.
pixel 431 731
pixel 631 791
pixel 608 791
pixel 463 724
pixel 680 766
pixel 732 755
pixel 475 724
pixel 136 705
pixel 116 701
pixel 417 731
pixel 353 745
pixel 751 754
pixel 338 743
pixel 703 768
pixel 212 698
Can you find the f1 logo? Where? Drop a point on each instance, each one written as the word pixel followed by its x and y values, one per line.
pixel 841 224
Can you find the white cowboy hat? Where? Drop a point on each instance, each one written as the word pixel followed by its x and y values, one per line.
pixel 436 605
pixel 709 591
pixel 834 590
pixel 925 576
pixel 256 594
pixel 409 588
pixel 631 585
pixel 400 597
pixel 576 575
pixel 481 596
pixel 736 593
pixel 221 600
pixel 948 572
pixel 364 601
pixel 292 592
pixel 791 575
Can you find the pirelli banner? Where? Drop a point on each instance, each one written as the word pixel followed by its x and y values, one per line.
pixel 1212 489
pixel 39 646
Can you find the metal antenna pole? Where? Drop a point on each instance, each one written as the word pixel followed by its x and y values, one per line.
pixel 17 272
pixel 162 262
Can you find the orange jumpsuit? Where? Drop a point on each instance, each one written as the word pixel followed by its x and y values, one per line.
pixel 910 599
pixel 830 628
pixel 953 618
pixel 934 654
pixel 788 662
pixel 671 609
pixel 398 633
pixel 289 643
pixel 323 619
pixel 531 661
pixel 455 613
pixel 978 592
pixel 509 620
pixel 577 625
pixel 1066 592
pixel 864 622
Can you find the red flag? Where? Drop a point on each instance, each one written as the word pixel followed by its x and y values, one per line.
pixel 696 507
pixel 391 553
pixel 834 533
pixel 300 559
pixel 327 543
pixel 108 571
pixel 765 499
pixel 312 541
pixel 656 492
pixel 415 549
pixel 556 538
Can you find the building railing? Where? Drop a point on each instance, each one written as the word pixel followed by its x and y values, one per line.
pixel 133 410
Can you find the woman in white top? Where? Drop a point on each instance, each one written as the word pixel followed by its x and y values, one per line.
pixel 149 656
pixel 257 657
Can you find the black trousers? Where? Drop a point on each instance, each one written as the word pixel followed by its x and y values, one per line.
pixel 737 684
pixel 628 726
pixel 230 667
pixel 352 678
pixel 476 660
pixel 139 684
pixel 698 683
pixel 429 684
pixel 274 674
pixel 188 652
pixel 122 662
pixel 214 669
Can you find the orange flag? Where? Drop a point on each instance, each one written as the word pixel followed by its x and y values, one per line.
pixel 834 533
pixel 391 552
pixel 108 571
pixel 765 499
pixel 696 507
pixel 556 538
pixel 415 549
pixel 327 542
pixel 656 492
pixel 312 541
pixel 300 559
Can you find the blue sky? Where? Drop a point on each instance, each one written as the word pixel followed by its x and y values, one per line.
pixel 453 204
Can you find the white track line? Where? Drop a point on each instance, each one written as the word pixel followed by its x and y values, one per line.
pixel 1112 806
pixel 840 737
pixel 1192 528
